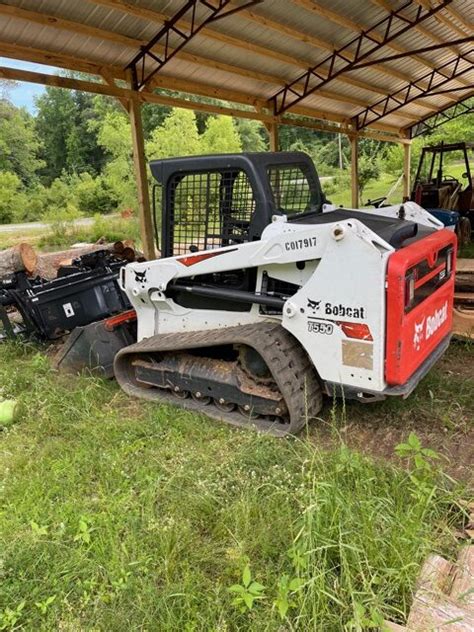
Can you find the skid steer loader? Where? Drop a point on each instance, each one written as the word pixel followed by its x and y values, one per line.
pixel 267 296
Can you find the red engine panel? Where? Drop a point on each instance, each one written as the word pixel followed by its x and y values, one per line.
pixel 420 290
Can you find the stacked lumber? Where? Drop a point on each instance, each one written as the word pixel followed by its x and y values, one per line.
pixel 444 597
pixel 463 313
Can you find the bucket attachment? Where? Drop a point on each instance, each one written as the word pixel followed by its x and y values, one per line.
pixel 94 347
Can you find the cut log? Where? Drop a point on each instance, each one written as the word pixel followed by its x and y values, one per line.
pixel 49 263
pixel 21 258
pixel 462 589
pixel 435 575
pixel 464 281
pixel 389 626
pixel 436 612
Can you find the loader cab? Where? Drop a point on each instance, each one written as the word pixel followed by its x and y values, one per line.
pixel 213 201
pixel 435 187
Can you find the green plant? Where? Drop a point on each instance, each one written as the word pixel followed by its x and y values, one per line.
pixel 37 529
pixel 44 605
pixel 287 589
pixel 416 453
pixel 365 619
pixel 11 616
pixel 84 530
pixel 247 592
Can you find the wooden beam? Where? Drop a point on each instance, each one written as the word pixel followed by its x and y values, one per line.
pixel 15 74
pixel 45 19
pixel 144 210
pixel 109 80
pixel 354 171
pixel 272 129
pixel 160 18
pixel 406 171
pixel 59 60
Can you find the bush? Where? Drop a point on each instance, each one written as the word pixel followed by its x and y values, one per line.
pixel 94 195
pixel 12 198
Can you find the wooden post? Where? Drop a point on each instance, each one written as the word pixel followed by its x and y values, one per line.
pixel 272 129
pixel 355 171
pixel 146 223
pixel 406 171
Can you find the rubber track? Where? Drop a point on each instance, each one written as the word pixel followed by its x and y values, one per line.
pixel 288 362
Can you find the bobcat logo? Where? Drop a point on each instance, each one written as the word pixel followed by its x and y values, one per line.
pixel 140 277
pixel 418 335
pixel 314 305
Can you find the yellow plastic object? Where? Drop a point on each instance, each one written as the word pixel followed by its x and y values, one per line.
pixel 8 412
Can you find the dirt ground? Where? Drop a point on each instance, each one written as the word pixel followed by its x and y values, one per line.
pixel 444 421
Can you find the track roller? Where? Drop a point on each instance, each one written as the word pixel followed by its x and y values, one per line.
pixel 284 406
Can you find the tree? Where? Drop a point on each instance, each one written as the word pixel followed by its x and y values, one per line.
pixel 220 136
pixel 65 125
pixel 253 136
pixel 369 169
pixel 114 136
pixel 19 146
pixel 178 136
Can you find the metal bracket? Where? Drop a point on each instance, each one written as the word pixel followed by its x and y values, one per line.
pixel 182 35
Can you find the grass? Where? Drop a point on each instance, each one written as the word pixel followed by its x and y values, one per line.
pixel 119 514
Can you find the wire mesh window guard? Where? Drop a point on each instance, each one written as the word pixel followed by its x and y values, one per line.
pixel 290 187
pixel 210 210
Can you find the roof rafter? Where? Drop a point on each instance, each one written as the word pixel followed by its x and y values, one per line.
pixel 437 78
pixel 443 19
pixel 361 47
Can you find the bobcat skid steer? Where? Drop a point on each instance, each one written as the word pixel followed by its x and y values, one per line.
pixel 267 296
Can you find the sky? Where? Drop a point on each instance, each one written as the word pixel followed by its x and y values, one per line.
pixel 24 94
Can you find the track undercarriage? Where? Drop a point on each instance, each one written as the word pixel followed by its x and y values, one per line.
pixel 247 376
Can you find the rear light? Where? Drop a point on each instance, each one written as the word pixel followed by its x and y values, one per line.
pixel 449 262
pixel 360 331
pixel 115 321
pixel 409 290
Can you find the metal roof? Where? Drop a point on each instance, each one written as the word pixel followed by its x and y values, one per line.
pixel 277 55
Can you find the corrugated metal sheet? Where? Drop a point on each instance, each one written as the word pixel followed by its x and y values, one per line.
pixel 258 50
